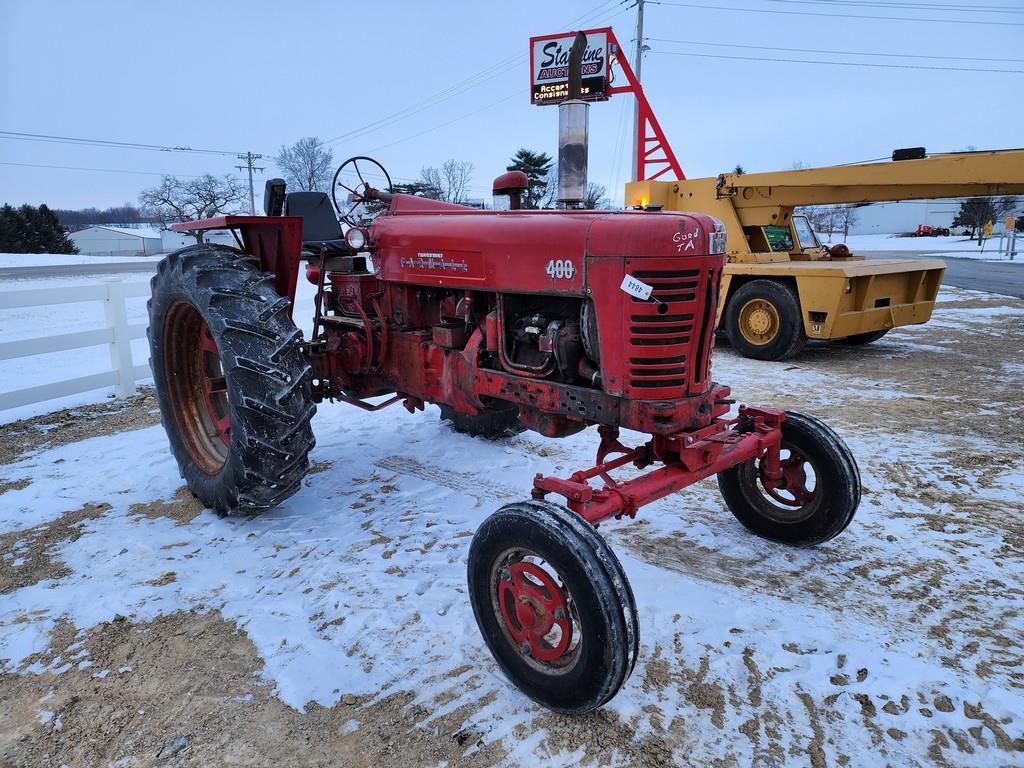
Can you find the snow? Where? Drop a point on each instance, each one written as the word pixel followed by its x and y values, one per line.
pixel 61 260
pixel 356 585
pixel 150 232
pixel 954 247
pixel 32 322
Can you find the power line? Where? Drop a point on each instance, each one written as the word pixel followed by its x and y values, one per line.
pixel 838 15
pixel 839 63
pixel 835 53
pixel 98 170
pixel 21 136
pixel 485 75
pixel 910 6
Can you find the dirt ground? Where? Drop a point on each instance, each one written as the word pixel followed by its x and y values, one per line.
pixel 933 415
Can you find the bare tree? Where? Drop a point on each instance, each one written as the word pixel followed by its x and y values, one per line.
pixel 975 212
pixel 450 183
pixel 597 197
pixel 177 200
pixel 306 164
pixel 846 217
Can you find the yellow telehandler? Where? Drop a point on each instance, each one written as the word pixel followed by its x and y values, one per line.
pixel 781 286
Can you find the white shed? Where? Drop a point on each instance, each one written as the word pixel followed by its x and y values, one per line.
pixel 172 241
pixel 102 240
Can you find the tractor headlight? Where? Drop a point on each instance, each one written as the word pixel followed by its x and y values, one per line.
pixel 717 240
pixel 356 238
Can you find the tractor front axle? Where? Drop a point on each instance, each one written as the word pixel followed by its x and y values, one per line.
pixel 687 457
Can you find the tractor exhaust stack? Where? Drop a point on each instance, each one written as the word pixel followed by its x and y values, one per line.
pixel 573 124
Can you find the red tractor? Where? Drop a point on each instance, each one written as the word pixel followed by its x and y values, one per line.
pixel 550 320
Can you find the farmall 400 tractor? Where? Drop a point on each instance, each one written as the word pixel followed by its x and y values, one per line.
pixel 553 320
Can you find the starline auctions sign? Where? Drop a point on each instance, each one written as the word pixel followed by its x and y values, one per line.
pixel 549 67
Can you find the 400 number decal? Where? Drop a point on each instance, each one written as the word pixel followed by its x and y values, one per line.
pixel 560 269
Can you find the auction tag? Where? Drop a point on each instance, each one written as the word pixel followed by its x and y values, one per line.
pixel 634 287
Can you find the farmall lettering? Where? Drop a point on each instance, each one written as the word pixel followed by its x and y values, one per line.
pixel 549 66
pixel 433 262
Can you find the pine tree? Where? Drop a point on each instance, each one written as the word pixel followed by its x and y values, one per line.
pixel 536 166
pixel 32 230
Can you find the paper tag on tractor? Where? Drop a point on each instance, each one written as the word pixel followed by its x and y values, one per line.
pixel 636 288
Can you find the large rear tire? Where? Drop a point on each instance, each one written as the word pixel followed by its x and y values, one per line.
pixel 553 605
pixel 763 320
pixel 818 496
pixel 232 382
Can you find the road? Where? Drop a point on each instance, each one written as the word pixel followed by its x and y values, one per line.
pixel 64 270
pixel 1005 277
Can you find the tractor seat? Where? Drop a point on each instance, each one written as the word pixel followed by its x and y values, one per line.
pixel 320 227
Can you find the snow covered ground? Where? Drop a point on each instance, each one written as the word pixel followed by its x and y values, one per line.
pixel 64 259
pixel 953 246
pixel 899 643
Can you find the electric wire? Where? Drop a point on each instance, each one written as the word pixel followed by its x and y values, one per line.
pixel 833 53
pixel 839 63
pixel 836 15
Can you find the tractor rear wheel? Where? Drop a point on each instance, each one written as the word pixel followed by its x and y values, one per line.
pixel 861 339
pixel 817 497
pixel 490 424
pixel 553 605
pixel 763 320
pixel 232 382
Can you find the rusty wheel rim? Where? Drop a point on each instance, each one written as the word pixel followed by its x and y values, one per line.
pixel 538 616
pixel 796 496
pixel 759 322
pixel 196 387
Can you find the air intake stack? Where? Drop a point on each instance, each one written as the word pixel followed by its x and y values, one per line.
pixel 573 123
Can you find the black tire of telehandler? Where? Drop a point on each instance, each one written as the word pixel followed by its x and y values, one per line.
pixel 861 339
pixel 837 493
pixel 490 424
pixel 267 377
pixel 789 339
pixel 599 590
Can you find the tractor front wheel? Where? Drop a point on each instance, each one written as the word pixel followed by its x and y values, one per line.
pixel 814 500
pixel 763 320
pixel 553 605
pixel 230 378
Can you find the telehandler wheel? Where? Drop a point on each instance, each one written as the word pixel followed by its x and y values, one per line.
pixel 487 424
pixel 553 605
pixel 861 339
pixel 763 320
pixel 817 497
pixel 231 380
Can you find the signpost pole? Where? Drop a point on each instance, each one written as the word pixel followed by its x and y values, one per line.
pixel 637 61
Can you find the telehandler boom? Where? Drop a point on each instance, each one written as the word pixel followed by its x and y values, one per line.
pixel 782 286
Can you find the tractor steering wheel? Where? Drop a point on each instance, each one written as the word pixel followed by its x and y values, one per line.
pixel 351 185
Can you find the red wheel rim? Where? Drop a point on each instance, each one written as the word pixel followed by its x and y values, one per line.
pixel 196 387
pixel 536 611
pixel 793 481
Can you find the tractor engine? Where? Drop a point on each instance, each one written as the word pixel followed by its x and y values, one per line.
pixel 572 317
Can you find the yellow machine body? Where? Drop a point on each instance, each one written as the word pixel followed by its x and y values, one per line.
pixel 839 296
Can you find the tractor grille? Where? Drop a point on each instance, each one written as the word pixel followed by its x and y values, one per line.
pixel 669 343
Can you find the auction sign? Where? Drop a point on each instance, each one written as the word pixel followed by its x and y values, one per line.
pixel 549 67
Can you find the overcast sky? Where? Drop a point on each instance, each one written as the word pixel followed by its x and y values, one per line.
pixel 237 76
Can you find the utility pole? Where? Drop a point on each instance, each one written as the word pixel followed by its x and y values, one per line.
pixel 250 158
pixel 638 60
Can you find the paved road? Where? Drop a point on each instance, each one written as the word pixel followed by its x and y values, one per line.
pixel 1005 277
pixel 102 268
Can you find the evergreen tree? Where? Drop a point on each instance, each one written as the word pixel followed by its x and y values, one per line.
pixel 537 167
pixel 32 230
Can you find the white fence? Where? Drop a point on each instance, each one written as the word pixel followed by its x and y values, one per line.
pixel 117 334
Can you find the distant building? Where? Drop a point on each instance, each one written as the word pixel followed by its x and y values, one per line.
pixel 172 241
pixel 904 216
pixel 102 240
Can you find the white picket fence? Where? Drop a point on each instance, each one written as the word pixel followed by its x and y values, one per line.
pixel 117 334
